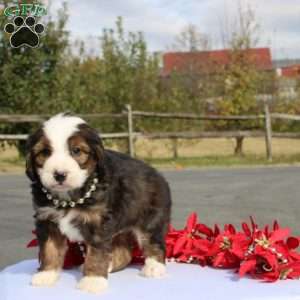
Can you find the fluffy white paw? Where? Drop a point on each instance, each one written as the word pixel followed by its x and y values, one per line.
pixel 153 268
pixel 93 284
pixel 45 278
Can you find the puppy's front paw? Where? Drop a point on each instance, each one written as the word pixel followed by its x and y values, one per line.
pixel 153 268
pixel 93 284
pixel 45 278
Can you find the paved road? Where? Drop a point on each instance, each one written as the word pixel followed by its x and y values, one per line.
pixel 222 195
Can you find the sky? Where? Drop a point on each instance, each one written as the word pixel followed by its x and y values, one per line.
pixel 162 20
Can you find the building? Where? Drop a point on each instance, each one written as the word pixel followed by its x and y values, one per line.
pixel 203 62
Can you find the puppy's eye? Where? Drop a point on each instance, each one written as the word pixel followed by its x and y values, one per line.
pixel 75 151
pixel 45 152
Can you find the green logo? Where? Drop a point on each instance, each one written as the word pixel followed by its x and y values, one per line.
pixel 23 28
pixel 24 9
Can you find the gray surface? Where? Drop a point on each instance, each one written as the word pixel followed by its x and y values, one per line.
pixel 218 195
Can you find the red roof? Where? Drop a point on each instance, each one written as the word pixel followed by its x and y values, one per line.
pixel 291 71
pixel 208 61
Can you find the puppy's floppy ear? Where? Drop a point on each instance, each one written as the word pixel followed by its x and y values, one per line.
pixel 29 167
pixel 92 137
pixel 31 141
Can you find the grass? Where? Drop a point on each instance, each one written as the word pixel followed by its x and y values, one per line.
pixel 12 165
pixel 193 153
pixel 223 161
pixel 17 165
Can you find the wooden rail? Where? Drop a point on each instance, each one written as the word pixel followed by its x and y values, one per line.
pixel 15 118
pixel 186 116
pixel 202 134
pixel 285 117
pixel 22 137
pixel 131 135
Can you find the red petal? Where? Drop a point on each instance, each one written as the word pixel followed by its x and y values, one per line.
pixel 231 229
pixel 217 230
pixel 191 222
pixel 246 229
pixel 202 228
pixel 33 243
pixel 275 225
pixel 279 234
pixel 179 245
pixel 219 260
pixel 239 250
pixel 271 259
pixel 269 276
pixel 266 230
pixel 201 245
pixel 189 245
pixel 73 256
pixel 295 255
pixel 292 242
pixel 246 267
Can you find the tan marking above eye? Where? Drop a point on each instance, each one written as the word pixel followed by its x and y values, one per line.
pixel 79 149
pixel 41 157
pixel 40 145
pixel 41 151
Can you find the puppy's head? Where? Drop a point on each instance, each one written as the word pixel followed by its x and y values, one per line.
pixel 63 153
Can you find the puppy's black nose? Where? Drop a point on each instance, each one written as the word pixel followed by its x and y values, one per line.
pixel 60 177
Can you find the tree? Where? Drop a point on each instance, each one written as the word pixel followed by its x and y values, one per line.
pixel 240 78
pixel 129 74
pixel 28 75
pixel 190 39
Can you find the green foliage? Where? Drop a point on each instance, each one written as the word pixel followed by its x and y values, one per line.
pixel 286 106
pixel 54 78
pixel 129 72
pixel 240 86
pixel 28 75
pixel 241 80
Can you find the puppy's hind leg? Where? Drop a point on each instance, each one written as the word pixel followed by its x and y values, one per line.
pixel 153 245
pixel 121 252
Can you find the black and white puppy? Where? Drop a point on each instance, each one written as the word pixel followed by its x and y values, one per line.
pixel 105 199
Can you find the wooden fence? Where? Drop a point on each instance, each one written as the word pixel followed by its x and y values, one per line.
pixel 131 135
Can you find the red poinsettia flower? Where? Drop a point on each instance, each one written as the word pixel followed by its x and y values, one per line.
pixel 186 238
pixel 34 242
pixel 171 238
pixel 270 253
pixel 228 248
pixel 74 256
pixel 187 244
pixel 266 254
pixel 290 271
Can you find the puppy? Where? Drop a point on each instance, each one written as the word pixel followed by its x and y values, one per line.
pixel 104 199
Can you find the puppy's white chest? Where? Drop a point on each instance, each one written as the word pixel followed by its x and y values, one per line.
pixel 68 229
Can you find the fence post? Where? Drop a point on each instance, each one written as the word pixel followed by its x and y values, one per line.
pixel 268 131
pixel 238 150
pixel 175 147
pixel 130 131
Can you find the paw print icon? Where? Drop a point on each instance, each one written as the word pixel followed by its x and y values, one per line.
pixel 24 32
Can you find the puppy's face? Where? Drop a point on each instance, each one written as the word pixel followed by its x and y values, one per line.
pixel 63 153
